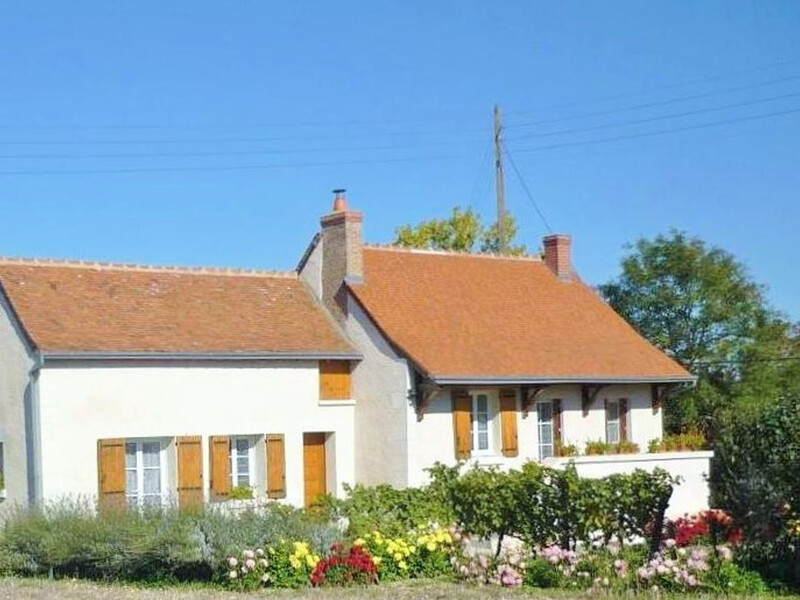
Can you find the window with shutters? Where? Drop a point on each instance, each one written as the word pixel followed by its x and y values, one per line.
pixel 484 426
pixel 546 429
pixel 242 459
pixel 145 472
pixel 612 422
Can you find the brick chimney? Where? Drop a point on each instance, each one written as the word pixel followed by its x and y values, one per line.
pixel 557 250
pixel 342 253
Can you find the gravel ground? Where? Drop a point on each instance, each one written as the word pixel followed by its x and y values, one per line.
pixel 38 589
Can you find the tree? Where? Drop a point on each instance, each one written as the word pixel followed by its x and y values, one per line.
pixel 699 305
pixel 463 231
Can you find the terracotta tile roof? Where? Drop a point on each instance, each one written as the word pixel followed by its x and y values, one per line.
pixel 476 316
pixel 106 308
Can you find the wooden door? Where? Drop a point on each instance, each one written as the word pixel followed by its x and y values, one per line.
pixel 314 466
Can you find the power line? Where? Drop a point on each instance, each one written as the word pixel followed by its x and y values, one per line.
pixel 657 103
pixel 233 168
pixel 658 132
pixel 234 152
pixel 657 118
pixel 662 87
pixel 526 189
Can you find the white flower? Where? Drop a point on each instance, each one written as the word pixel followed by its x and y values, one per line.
pixel 250 563
pixel 232 562
pixel 259 552
pixel 265 578
pixel 248 553
pixel 233 575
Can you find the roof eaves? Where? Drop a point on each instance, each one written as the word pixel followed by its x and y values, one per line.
pixel 552 380
pixel 68 355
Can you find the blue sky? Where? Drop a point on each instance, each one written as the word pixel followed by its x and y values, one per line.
pixel 211 133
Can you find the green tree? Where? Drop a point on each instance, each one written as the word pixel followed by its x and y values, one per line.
pixel 462 231
pixel 699 305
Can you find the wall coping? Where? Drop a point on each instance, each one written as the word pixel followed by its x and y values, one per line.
pixel 630 458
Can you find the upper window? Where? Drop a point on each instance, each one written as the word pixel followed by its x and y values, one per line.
pixel 612 422
pixel 242 461
pixel 145 473
pixel 484 412
pixel 545 429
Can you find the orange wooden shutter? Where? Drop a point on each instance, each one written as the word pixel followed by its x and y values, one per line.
pixel 220 450
pixel 623 420
pixel 334 380
pixel 111 473
pixel 508 421
pixel 462 423
pixel 276 466
pixel 190 471
pixel 556 421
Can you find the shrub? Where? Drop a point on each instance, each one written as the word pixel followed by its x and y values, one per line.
pixel 241 492
pixel 389 510
pixel 248 571
pixel 354 567
pixel 541 573
pixel 422 552
pixel 599 447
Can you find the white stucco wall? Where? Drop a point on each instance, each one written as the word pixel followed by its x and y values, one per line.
pixel 380 386
pixel 690 496
pixel 16 392
pixel 431 439
pixel 81 404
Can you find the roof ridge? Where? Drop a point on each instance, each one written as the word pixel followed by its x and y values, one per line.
pixel 115 266
pixel 495 255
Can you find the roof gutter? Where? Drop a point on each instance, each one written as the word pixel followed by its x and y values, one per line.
pixel 198 356
pixel 454 380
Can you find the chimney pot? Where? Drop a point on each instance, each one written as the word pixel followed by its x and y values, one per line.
pixel 557 251
pixel 339 200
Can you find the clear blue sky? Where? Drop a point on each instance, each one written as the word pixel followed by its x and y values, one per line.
pixel 211 133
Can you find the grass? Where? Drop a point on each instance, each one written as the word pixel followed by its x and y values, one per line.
pixel 43 589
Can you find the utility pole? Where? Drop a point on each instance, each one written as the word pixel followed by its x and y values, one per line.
pixel 500 178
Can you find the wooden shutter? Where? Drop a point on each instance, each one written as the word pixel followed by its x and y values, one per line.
pixel 623 420
pixel 276 466
pixel 334 380
pixel 111 473
pixel 220 450
pixel 462 423
pixel 190 471
pixel 556 423
pixel 508 421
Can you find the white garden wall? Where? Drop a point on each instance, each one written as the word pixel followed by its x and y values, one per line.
pixel 690 496
pixel 80 404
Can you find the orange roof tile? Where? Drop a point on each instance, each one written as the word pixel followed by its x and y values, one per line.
pixel 75 307
pixel 467 316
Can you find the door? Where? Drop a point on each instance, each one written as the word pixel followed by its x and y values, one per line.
pixel 314 466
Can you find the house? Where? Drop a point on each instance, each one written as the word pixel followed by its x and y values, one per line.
pixel 494 359
pixel 367 364
pixel 144 384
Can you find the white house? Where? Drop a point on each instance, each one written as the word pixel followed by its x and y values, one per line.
pixel 494 359
pixel 366 365
pixel 142 384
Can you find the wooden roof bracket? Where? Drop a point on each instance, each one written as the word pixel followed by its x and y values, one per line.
pixel 659 392
pixel 588 394
pixel 426 391
pixel 530 394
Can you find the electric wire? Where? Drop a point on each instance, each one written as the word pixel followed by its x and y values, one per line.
pixel 526 189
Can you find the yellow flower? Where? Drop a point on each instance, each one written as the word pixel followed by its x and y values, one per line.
pixel 377 560
pixel 412 548
pixel 359 542
pixel 312 560
pixel 398 557
pixel 295 562
pixel 402 564
pixel 431 546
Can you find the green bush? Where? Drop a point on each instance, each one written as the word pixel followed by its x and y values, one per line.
pixel 391 511
pixel 542 574
pixel 545 506
pixel 70 539
pixel 734 579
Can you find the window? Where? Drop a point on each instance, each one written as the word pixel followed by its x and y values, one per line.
pixel 145 475
pixel 546 430
pixel 484 413
pixel 612 422
pixel 242 458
